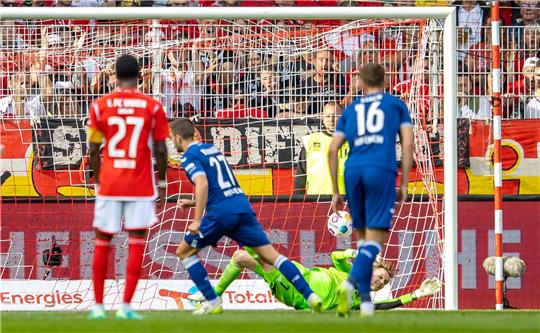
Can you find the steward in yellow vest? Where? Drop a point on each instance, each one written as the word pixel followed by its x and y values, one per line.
pixel 313 174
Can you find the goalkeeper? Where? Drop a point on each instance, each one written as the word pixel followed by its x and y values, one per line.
pixel 323 281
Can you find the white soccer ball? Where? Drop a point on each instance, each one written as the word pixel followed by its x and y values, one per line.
pixel 340 224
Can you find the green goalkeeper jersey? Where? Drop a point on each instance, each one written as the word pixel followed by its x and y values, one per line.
pixel 324 282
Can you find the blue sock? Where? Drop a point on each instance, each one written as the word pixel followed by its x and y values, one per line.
pixel 199 275
pixel 362 269
pixel 289 270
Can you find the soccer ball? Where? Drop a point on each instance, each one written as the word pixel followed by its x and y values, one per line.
pixel 340 224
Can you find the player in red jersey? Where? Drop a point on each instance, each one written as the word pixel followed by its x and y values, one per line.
pixel 132 126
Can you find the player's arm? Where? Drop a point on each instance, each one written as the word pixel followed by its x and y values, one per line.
pixel 394 303
pixel 340 259
pixel 94 138
pixel 337 141
pixel 406 137
pixel 95 160
pixel 200 183
pixel 428 288
pixel 300 186
pixel 160 132
pixel 160 154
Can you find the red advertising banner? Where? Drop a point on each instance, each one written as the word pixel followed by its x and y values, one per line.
pixel 298 229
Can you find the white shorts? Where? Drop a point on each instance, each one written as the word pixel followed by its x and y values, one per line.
pixel 108 214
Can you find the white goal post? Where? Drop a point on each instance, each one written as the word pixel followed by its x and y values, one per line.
pixel 446 14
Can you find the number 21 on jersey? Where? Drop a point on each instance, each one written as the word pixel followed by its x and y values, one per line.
pixel 220 163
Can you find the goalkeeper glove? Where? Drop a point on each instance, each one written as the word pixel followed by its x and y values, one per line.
pixel 428 288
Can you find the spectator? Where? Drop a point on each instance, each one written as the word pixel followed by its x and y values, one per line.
pixel 238 107
pixel 179 3
pixel 518 93
pixel 533 107
pixel 472 107
pixel 470 18
pixel 104 81
pixel 530 14
pixel 182 88
pixel 252 76
pixel 13 105
pixel 313 174
pixel 10 39
pixel 271 99
pixel 323 84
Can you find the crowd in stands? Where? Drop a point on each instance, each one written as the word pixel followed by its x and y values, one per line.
pixel 235 69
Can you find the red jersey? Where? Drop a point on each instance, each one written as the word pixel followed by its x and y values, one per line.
pixel 129 122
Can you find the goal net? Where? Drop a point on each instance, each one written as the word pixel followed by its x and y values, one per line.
pixel 255 89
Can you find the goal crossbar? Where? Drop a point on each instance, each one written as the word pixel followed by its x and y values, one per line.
pixel 446 14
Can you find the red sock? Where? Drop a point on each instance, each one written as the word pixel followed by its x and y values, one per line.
pixel 99 267
pixel 134 266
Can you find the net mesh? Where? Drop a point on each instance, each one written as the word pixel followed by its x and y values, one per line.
pixel 254 89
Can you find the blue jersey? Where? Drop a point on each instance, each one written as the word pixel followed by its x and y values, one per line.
pixel 370 124
pixel 224 194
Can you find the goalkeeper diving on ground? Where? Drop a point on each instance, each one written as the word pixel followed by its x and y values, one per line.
pixel 323 281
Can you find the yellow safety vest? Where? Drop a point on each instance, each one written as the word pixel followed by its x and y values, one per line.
pixel 318 179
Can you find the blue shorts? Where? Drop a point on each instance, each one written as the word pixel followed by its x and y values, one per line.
pixel 244 228
pixel 371 195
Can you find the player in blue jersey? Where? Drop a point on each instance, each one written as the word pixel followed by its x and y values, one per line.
pixel 228 213
pixel 370 125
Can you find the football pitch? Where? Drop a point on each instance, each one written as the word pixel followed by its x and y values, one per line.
pixel 279 321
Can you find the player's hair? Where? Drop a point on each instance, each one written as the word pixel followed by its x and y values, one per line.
pixel 390 268
pixel 183 127
pixel 373 75
pixel 127 67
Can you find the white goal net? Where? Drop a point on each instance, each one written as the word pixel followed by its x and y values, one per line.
pixel 255 89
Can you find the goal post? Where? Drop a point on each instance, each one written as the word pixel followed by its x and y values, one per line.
pixel 446 16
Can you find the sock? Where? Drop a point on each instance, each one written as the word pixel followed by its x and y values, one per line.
pixel 134 266
pixel 291 272
pixel 126 307
pixel 230 273
pixel 362 269
pixel 99 307
pixel 99 267
pixel 199 276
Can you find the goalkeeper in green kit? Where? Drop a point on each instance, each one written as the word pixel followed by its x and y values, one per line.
pixel 323 281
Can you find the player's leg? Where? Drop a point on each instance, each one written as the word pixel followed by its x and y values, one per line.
pixel 250 233
pixel 209 234
pixel 240 260
pixel 380 194
pixel 107 217
pixel 355 200
pixel 138 217
pixel 362 269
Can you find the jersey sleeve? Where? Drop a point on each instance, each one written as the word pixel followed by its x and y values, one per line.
pixel 160 126
pixel 340 126
pixel 340 262
pixel 405 117
pixel 394 302
pixel 95 134
pixel 192 167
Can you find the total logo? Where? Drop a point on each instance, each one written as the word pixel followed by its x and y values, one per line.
pixel 229 297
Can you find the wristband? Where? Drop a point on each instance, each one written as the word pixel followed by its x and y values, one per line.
pixel 162 183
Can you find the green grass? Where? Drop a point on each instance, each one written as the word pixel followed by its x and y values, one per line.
pixel 279 321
